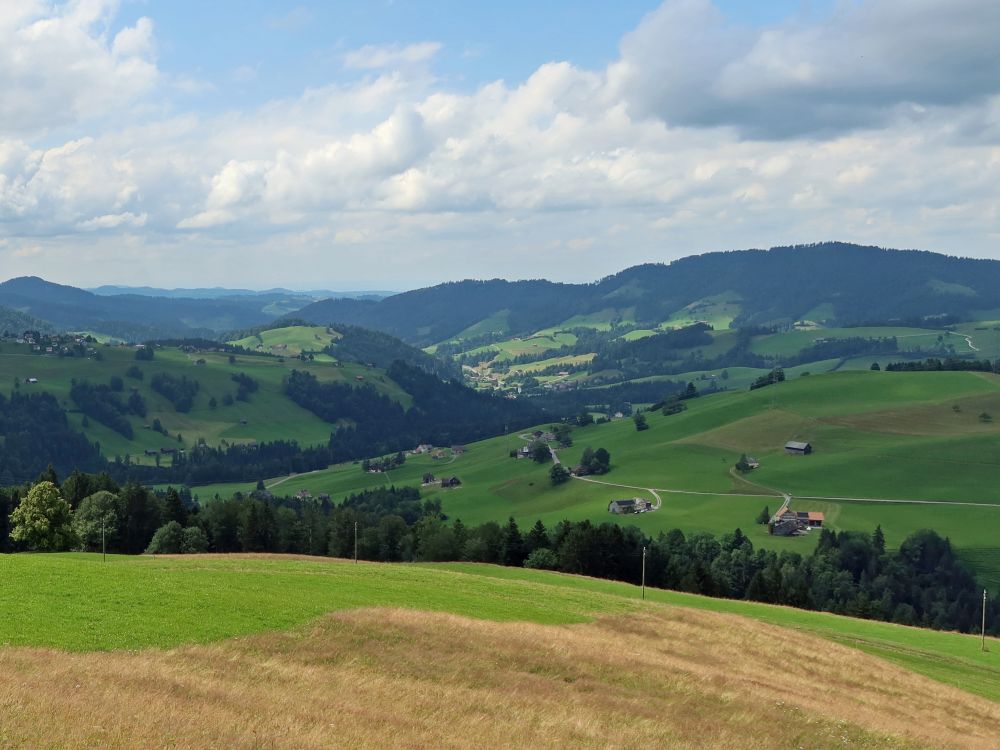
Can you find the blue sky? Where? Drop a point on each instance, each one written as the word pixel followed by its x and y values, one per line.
pixel 290 46
pixel 397 144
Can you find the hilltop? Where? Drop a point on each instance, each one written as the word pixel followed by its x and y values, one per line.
pixel 577 661
pixel 830 283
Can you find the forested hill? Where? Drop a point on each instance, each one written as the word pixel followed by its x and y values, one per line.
pixel 426 316
pixel 833 282
pixel 136 317
pixel 16 321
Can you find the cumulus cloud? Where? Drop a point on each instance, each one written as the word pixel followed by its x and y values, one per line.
pixel 862 66
pixel 702 135
pixel 59 67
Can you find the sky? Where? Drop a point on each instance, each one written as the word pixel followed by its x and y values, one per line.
pixel 394 144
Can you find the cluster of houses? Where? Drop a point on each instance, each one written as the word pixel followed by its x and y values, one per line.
pixel 437 453
pixel 307 495
pixel 61 344
pixel 537 436
pixel 444 482
pixel 163 451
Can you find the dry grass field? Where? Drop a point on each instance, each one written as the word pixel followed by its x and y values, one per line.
pixel 389 677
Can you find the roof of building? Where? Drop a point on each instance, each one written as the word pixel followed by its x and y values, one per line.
pixel 795 445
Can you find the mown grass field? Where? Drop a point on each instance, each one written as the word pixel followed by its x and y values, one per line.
pixel 251 651
pixel 269 414
pixel 877 435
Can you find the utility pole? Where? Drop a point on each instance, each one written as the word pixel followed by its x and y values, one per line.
pixel 104 547
pixel 355 542
pixel 644 572
pixel 984 619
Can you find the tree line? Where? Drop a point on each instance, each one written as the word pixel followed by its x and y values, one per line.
pixel 852 573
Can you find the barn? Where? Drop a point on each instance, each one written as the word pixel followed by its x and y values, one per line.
pixel 796 448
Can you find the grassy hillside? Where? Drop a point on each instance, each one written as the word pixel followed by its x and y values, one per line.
pixel 269 415
pixel 877 436
pixel 512 657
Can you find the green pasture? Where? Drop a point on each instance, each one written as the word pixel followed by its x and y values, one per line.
pixel 570 360
pixel 877 435
pixel 292 340
pixel 719 311
pixel 789 343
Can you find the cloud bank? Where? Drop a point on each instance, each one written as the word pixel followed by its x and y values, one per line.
pixel 879 122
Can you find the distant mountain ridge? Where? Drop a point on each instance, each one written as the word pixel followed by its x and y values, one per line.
pixel 844 283
pixel 216 292
pixel 136 317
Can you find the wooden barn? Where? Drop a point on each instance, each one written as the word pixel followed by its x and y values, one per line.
pixel 796 448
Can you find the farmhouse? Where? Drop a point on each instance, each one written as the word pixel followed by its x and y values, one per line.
pixel 752 462
pixel 458 450
pixel 796 448
pixel 629 505
pixel 450 482
pixel 787 522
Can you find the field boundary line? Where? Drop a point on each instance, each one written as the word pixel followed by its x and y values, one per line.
pixel 901 501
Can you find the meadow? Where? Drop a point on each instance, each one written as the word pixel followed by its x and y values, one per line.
pixel 245 651
pixel 877 435
pixel 291 340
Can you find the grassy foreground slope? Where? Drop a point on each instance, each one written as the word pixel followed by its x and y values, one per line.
pixel 454 656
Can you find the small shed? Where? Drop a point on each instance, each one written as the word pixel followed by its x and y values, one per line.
pixel 796 448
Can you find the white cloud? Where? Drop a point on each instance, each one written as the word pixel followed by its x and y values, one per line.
pixel 294 20
pixel 661 146
pixel 376 56
pixel 865 64
pixel 113 221
pixel 58 68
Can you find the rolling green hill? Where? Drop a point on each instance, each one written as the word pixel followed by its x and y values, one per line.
pixel 818 283
pixel 268 415
pixel 913 439
pixel 250 650
pixel 291 340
